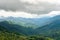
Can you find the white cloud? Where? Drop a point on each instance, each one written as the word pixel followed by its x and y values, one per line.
pixel 37 1
pixel 16 14
pixel 51 14
pixel 30 1
pixel 27 15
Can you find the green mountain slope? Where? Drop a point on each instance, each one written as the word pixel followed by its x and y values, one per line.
pixel 52 29
pixel 17 28
pixel 15 32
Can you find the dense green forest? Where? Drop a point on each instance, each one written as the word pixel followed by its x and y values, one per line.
pixel 14 36
pixel 9 31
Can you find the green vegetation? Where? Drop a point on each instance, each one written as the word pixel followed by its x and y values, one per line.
pixel 13 36
pixel 16 32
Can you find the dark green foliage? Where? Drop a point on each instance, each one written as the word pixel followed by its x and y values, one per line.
pixel 13 36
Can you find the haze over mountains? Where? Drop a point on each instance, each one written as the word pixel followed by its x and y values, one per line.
pixel 33 25
pixel 33 22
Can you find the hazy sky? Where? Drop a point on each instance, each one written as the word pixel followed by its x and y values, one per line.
pixel 29 7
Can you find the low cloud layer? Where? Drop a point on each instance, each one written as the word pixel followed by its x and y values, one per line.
pixel 16 14
pixel 30 6
pixel 26 15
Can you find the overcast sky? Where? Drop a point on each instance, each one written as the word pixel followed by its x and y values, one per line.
pixel 30 6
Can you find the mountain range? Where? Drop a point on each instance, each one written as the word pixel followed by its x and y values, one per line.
pixel 49 26
pixel 27 22
pixel 52 27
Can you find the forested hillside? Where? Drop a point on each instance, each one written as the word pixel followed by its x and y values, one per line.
pixel 12 31
pixel 12 34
